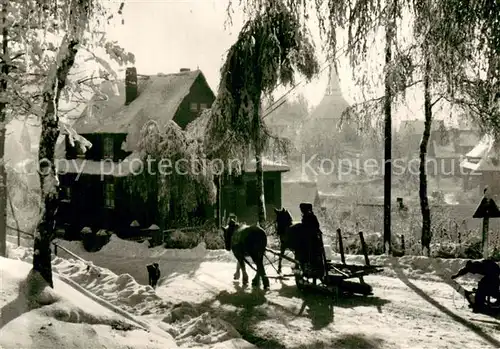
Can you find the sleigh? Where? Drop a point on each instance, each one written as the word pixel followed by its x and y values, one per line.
pixel 491 308
pixel 313 272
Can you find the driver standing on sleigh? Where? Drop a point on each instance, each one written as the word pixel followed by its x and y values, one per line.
pixel 489 285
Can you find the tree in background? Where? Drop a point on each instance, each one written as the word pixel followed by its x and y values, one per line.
pixel 271 47
pixel 45 37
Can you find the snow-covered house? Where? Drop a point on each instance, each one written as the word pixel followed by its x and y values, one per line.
pixel 482 166
pixel 93 182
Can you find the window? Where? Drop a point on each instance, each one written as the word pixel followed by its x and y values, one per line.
pixel 66 194
pixel 194 106
pixel 203 106
pixel 252 195
pixel 269 191
pixel 109 195
pixel 107 152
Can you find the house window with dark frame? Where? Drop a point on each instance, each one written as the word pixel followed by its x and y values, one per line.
pixel 252 195
pixel 107 151
pixel 109 194
pixel 66 194
pixel 203 106
pixel 193 106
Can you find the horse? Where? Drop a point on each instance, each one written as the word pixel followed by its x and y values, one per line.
pixel 288 232
pixel 247 240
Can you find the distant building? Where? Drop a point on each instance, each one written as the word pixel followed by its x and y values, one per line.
pixel 326 119
pixel 482 167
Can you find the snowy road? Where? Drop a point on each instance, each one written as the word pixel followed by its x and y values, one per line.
pixel 402 313
pixel 422 312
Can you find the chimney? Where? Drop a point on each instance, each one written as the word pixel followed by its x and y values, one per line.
pixel 130 85
pixel 184 70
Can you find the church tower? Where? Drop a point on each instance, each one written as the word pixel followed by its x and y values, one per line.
pixel 333 87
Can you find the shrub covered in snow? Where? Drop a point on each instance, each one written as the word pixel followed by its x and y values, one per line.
pixel 94 241
pixel 214 239
pixel 182 239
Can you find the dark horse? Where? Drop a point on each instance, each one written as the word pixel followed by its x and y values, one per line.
pixel 247 240
pixel 288 232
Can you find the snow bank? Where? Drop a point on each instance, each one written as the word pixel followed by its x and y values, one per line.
pixel 138 255
pixel 187 325
pixel 415 267
pixel 35 316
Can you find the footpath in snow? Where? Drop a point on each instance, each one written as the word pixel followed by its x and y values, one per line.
pixel 200 306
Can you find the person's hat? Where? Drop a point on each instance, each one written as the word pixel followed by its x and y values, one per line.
pixel 305 206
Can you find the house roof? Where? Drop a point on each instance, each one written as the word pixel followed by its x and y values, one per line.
pixel 481 148
pixel 293 193
pixel 483 157
pixel 267 165
pixel 159 97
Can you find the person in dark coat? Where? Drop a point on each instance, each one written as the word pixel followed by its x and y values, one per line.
pixel 312 239
pixel 153 274
pixel 489 285
pixel 157 274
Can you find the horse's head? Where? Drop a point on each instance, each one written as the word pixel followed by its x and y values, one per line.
pixel 283 220
pixel 228 233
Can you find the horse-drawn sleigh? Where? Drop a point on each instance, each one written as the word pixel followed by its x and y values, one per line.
pixel 312 271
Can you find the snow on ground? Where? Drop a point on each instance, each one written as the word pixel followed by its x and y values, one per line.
pixel 35 316
pixel 200 305
pixel 190 328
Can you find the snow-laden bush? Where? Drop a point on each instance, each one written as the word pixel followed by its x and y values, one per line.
pixel 182 239
pixel 94 241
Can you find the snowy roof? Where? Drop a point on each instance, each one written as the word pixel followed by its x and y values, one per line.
pixel 484 156
pixel 482 148
pixel 159 98
pixel 267 165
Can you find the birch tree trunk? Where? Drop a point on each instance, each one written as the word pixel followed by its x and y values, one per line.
pixel 259 171
pixel 389 35
pixel 56 81
pixel 424 200
pixel 3 124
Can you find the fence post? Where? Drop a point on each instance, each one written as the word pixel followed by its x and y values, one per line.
pixel 403 244
pixel 341 245
pixel 55 249
pixel 364 248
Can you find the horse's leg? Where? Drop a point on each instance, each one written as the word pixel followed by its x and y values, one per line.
pixel 236 275
pixel 282 252
pixel 241 263
pixel 261 272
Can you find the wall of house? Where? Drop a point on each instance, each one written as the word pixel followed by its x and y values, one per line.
pixel 85 205
pixel 200 93
pixel 96 152
pixel 239 196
